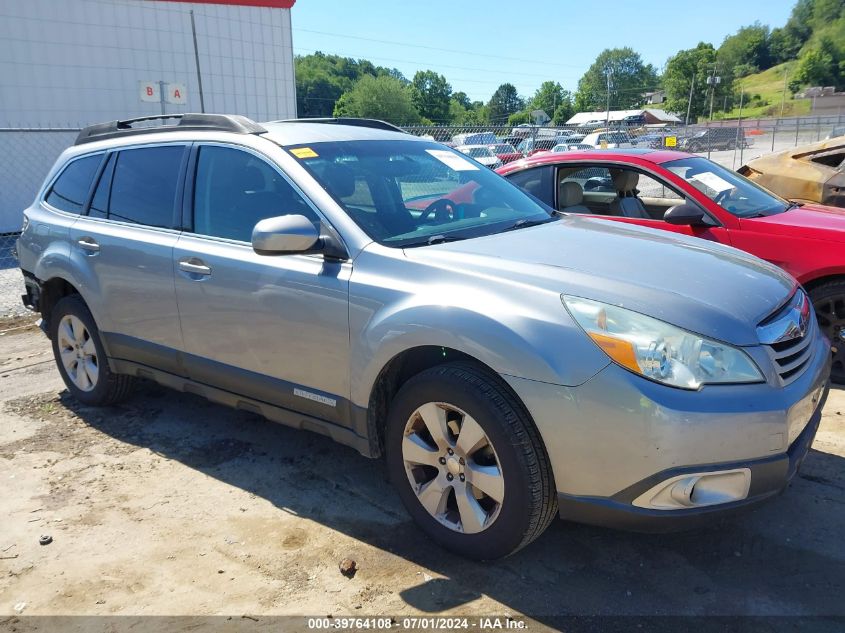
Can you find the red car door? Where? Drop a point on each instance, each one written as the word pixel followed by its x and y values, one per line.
pixel 655 192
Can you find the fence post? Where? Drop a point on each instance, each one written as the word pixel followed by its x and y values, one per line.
pixel 797 127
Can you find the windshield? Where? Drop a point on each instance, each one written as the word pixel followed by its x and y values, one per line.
pixel 733 192
pixel 414 193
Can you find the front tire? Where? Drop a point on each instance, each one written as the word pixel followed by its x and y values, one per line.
pixel 829 304
pixel 81 357
pixel 468 463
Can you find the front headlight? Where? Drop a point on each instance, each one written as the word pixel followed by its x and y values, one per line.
pixel 659 351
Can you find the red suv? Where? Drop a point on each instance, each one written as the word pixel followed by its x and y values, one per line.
pixel 689 194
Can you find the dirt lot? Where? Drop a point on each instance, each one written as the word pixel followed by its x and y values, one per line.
pixel 172 505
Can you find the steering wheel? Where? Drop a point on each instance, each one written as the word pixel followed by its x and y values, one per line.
pixel 443 210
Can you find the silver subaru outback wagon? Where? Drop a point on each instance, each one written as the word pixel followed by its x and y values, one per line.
pixel 509 362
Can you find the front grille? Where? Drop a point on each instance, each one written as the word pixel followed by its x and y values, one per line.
pixel 788 335
pixel 791 357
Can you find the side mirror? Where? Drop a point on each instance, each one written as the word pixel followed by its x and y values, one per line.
pixel 285 235
pixel 684 214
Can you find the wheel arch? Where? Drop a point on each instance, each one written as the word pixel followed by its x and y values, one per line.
pixel 399 370
pixel 54 290
pixel 815 282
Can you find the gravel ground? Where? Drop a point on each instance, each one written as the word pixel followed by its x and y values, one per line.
pixel 11 289
pixel 171 505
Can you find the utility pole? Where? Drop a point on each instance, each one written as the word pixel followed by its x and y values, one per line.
pixel 783 98
pixel 689 104
pixel 713 80
pixel 197 61
pixel 739 141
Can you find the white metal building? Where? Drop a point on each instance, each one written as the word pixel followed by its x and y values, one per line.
pixel 651 115
pixel 65 64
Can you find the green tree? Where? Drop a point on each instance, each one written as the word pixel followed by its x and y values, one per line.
pixel 747 50
pixel 678 77
pixel 517 118
pixel 321 79
pixel 504 102
pixel 548 97
pixel 383 97
pixel 563 112
pixel 431 94
pixel 629 76
pixel 463 99
pixel 819 66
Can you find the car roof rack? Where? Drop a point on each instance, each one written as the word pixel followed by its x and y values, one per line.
pixel 372 123
pixel 186 122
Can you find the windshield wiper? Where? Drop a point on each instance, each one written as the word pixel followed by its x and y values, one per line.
pixel 524 223
pixel 432 239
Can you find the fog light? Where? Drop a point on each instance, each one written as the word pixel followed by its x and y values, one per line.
pixel 697 490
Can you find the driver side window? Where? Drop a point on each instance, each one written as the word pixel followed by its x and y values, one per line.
pixel 235 189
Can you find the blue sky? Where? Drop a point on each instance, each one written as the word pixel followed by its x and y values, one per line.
pixel 478 44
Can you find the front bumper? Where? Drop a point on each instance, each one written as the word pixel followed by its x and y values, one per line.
pixel 618 435
pixel 769 477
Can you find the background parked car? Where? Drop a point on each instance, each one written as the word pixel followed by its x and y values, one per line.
pixel 505 152
pixel 652 140
pixel 685 193
pixel 482 153
pixel 591 126
pixel 715 138
pixel 812 173
pixel 614 140
pixel 531 146
pixel 474 138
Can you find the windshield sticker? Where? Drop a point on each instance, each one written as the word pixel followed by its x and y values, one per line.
pixel 453 161
pixel 304 152
pixel 712 181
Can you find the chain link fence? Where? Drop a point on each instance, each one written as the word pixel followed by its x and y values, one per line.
pixel 730 143
pixel 26 156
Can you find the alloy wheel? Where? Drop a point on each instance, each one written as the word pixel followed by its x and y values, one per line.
pixel 78 353
pixel 453 468
pixel 831 316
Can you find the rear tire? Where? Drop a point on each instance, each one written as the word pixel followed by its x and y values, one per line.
pixel 481 484
pixel 81 357
pixel 829 303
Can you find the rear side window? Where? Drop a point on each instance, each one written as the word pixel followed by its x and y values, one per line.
pixel 100 202
pixel 143 188
pixel 71 188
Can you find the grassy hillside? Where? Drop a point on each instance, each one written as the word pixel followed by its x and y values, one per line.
pixel 763 94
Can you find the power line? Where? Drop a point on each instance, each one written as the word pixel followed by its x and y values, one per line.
pixel 434 48
pixel 413 61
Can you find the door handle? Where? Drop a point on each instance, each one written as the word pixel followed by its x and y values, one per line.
pixel 194 266
pixel 88 244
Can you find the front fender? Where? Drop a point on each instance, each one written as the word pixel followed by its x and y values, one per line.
pixel 532 338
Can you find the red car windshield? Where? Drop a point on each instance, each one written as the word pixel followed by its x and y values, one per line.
pixel 731 191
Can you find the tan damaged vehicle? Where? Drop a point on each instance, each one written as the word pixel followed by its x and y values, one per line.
pixel 810 173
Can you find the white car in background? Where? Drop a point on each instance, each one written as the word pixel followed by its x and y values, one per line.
pixel 609 140
pixel 482 154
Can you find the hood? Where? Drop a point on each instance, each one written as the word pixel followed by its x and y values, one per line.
pixel 714 290
pixel 815 221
